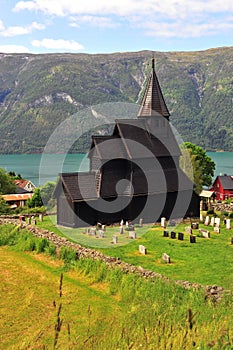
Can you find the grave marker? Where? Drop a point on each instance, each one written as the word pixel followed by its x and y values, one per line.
pixel 114 239
pixel 180 236
pixel 163 222
pixel 207 220
pixel 121 230
pixel 212 221
pixel 166 258
pixel 228 224
pixel 192 239
pixel 188 229
pixel 142 249
pixel 217 222
pixel 216 229
pixel 165 234
pixel 205 233
pixel 101 234
pixel 132 234
pixel 173 235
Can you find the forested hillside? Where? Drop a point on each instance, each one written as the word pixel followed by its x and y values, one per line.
pixel 38 92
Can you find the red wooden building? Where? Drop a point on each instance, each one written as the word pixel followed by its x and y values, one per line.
pixel 223 187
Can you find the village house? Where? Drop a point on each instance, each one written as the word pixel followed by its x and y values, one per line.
pixel 17 200
pixel 223 187
pixel 25 185
pixel 134 173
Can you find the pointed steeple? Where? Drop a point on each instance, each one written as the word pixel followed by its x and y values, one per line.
pixel 153 103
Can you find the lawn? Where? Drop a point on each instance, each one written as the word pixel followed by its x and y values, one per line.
pixel 208 261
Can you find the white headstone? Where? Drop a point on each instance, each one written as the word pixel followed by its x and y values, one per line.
pixel 140 222
pixel 228 224
pixel 217 229
pixel 212 221
pixel 121 230
pixel 142 249
pixel 114 239
pixel 207 220
pixel 163 222
pixel 188 229
pixel 217 222
pixel 122 222
pixel 101 234
pixel 201 217
pixel 126 224
pixel 132 234
pixel 166 258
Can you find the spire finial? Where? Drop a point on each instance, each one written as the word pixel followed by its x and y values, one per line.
pixel 153 63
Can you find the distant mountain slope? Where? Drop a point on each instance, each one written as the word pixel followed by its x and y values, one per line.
pixel 38 92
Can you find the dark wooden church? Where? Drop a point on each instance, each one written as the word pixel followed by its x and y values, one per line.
pixel 134 173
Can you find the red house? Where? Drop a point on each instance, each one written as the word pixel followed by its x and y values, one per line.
pixel 223 187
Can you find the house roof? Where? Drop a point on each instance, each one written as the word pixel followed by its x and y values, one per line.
pixel 226 182
pixel 206 194
pixel 23 183
pixel 153 103
pixel 17 197
pixel 107 147
pixel 78 185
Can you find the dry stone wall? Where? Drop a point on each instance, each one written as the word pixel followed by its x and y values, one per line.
pixel 82 253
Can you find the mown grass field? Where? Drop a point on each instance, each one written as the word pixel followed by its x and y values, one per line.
pixel 208 261
pixel 102 308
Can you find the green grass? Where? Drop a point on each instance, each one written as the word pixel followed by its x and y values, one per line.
pixel 208 261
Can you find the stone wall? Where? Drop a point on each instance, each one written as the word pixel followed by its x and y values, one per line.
pixel 82 253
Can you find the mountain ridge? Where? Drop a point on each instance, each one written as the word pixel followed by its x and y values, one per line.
pixel 40 91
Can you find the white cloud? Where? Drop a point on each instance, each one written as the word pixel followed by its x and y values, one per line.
pixel 13 49
pixel 163 18
pixel 95 21
pixel 58 44
pixel 19 30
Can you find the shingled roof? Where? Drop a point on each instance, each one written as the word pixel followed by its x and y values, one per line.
pixel 153 103
pixel 226 182
pixel 79 186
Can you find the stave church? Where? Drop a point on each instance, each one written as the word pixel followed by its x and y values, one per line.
pixel 134 173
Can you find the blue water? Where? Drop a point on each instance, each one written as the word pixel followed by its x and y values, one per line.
pixel 40 169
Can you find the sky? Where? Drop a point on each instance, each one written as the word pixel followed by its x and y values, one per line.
pixel 106 26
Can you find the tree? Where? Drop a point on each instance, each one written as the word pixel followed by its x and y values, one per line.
pixel 6 184
pixel 4 207
pixel 36 200
pixel 199 167
pixel 46 191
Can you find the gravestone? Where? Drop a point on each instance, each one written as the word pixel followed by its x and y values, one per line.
pixel 93 231
pixel 216 229
pixel 165 234
pixel 195 225
pixel 126 223
pixel 121 230
pixel 140 222
pixel 132 234
pixel 87 231
pixel 142 249
pixel 122 222
pixel 228 224
pixel 33 220
pixel 207 220
pixel 99 225
pixel 163 222
pixel 180 236
pixel 201 218
pixel 166 258
pixel 40 217
pixel 212 221
pixel 205 233
pixel 188 229
pixel 101 234
pixel 173 235
pixel 192 239
pixel 103 228
pixel 217 222
pixel 114 239
pixel 29 220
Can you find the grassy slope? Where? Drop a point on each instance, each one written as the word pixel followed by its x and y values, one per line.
pixel 208 262
pixel 28 287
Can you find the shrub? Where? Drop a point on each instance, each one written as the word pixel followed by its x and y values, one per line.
pixel 27 242
pixel 51 250
pixel 231 215
pixel 41 245
pixel 225 213
pixel 210 211
pixel 67 254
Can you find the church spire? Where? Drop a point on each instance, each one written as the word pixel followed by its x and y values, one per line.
pixel 153 103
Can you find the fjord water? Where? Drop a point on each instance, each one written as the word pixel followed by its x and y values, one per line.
pixel 40 169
